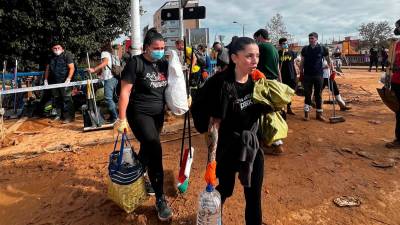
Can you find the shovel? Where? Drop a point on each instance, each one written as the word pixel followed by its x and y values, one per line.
pixel 334 118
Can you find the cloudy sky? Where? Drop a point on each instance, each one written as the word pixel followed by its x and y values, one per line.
pixel 329 18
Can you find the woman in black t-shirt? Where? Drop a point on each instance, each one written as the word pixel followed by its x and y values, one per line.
pixel 141 104
pixel 234 116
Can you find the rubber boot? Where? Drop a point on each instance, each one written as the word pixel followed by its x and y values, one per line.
pixel 320 117
pixel 306 115
pixel 341 103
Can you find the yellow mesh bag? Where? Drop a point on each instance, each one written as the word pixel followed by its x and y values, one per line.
pixel 128 197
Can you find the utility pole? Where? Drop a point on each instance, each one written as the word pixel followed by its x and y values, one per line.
pixel 135 27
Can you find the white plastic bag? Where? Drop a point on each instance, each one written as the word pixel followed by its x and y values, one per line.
pixel 175 94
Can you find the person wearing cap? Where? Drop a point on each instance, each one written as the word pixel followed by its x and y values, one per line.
pixel 60 69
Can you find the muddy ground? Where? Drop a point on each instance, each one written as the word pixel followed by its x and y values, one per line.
pixel 321 162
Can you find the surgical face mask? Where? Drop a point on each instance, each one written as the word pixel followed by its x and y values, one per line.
pixel 285 46
pixel 157 54
pixel 397 31
pixel 57 52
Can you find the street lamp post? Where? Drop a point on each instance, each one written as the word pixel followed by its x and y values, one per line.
pixel 242 27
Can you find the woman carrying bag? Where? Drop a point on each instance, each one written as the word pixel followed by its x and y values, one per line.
pixel 141 105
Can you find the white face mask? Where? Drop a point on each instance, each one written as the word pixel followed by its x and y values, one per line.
pixel 57 52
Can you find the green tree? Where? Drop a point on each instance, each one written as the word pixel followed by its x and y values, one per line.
pixel 29 26
pixel 375 33
pixel 277 29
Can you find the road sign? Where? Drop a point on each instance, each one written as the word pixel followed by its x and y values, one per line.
pixel 189 13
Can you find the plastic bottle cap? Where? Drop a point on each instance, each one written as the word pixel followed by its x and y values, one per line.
pixel 209 188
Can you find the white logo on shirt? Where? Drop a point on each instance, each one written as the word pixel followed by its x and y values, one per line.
pixel 157 80
pixel 245 102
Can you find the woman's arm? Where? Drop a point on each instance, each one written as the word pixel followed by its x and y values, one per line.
pixel 212 138
pixel 104 63
pixel 126 89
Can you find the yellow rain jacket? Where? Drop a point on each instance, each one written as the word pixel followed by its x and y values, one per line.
pixel 195 68
pixel 276 95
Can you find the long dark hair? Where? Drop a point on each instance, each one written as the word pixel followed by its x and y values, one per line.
pixel 106 47
pixel 151 36
pixel 238 45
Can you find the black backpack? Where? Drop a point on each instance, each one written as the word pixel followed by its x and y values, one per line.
pixel 139 70
pixel 200 108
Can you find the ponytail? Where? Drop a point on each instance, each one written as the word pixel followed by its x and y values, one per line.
pixel 151 36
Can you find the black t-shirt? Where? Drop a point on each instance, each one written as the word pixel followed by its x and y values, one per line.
pixel 373 53
pixel 147 94
pixel 233 103
pixel 286 62
pixel 58 67
pixel 313 60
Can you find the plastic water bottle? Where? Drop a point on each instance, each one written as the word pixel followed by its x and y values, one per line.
pixel 127 156
pixel 209 212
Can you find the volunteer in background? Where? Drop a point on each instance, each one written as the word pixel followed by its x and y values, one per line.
pixel 311 74
pixel 110 82
pixel 61 70
pixel 333 88
pixel 286 65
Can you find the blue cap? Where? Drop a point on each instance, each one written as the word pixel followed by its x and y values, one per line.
pixel 209 188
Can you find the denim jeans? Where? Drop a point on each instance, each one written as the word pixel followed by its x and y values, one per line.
pixel 109 92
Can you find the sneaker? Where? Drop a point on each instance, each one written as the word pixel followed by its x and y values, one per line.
pixel 149 187
pixel 394 144
pixel 164 212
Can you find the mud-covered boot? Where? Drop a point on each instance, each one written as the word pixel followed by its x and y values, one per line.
pixel 341 103
pixel 320 117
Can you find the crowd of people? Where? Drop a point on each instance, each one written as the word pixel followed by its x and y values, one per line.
pixel 141 100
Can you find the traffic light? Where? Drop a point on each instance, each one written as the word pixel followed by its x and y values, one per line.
pixel 189 13
pixel 194 13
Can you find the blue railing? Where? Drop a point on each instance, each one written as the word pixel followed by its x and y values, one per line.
pixel 10 76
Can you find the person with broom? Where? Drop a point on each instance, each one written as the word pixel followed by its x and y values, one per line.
pixel 141 105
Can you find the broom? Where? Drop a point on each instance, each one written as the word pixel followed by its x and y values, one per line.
pixel 334 118
pixel 186 159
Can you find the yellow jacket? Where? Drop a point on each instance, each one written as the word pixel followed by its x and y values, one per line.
pixel 195 68
pixel 276 95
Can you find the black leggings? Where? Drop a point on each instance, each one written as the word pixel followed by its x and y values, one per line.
pixel 310 83
pixel 333 86
pixel 226 173
pixel 147 130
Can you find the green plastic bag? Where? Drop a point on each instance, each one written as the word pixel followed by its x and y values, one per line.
pixel 273 128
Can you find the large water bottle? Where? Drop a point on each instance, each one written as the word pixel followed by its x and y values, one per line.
pixel 209 212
